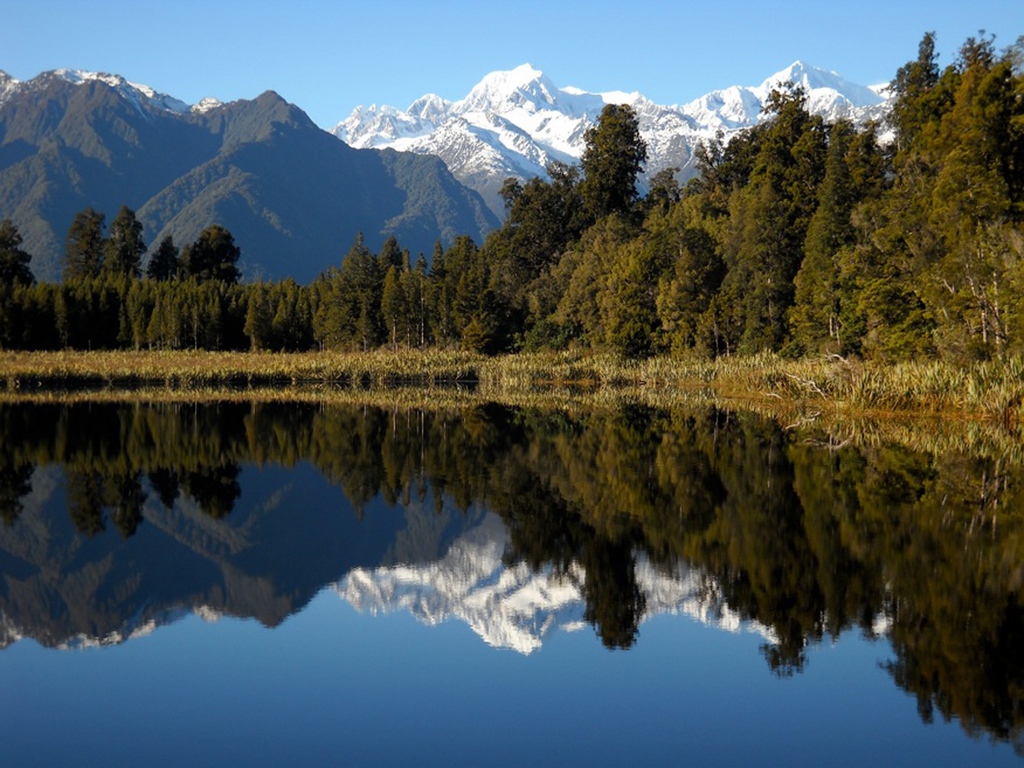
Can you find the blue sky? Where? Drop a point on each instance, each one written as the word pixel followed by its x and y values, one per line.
pixel 329 57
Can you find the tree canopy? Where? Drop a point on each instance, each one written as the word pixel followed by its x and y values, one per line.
pixel 14 262
pixel 213 256
pixel 612 160
pixel 83 246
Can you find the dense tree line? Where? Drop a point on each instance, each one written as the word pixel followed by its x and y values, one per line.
pixel 798 236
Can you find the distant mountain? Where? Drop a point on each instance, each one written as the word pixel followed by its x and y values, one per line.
pixel 514 123
pixel 293 195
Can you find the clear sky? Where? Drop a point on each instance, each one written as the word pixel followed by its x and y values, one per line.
pixel 329 57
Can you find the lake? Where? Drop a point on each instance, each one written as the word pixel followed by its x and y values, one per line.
pixel 267 583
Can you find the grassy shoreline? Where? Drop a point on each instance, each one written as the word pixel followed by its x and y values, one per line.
pixel 992 390
pixel 828 404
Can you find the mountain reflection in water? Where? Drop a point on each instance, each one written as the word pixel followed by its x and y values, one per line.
pixel 118 518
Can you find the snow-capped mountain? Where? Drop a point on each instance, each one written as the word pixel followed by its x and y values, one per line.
pixel 514 123
pixel 142 96
pixel 513 606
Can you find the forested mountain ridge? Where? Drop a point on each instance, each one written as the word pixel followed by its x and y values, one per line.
pixel 293 196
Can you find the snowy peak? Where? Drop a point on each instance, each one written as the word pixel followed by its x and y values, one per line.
pixel 430 107
pixel 207 104
pixel 373 126
pixel 521 88
pixel 730 109
pixel 142 96
pixel 516 122
pixel 814 81
pixel 136 93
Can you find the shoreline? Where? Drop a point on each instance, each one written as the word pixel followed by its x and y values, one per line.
pixel 990 390
pixel 827 404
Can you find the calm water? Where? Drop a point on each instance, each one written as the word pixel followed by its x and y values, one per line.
pixel 291 584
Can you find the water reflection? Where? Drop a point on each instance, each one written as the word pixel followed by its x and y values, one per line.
pixel 117 518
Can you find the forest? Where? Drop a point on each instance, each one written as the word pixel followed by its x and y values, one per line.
pixel 885 242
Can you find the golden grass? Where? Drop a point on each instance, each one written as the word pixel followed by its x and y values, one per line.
pixel 824 403
pixel 983 390
pixel 190 369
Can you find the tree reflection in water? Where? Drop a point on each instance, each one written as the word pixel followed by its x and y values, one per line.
pixel 809 542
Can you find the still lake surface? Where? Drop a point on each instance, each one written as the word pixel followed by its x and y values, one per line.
pixel 266 584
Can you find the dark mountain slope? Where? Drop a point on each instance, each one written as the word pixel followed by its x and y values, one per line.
pixel 293 195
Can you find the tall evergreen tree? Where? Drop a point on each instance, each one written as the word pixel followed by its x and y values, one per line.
pixel 815 317
pixel 395 307
pixel 350 311
pixel 390 255
pixel 768 223
pixel 163 264
pixel 612 160
pixel 258 320
pixel 914 87
pixel 14 262
pixel 214 256
pixel 694 273
pixel 124 246
pixel 83 245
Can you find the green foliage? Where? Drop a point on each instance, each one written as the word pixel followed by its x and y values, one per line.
pixel 124 246
pixel 83 246
pixel 350 305
pixel 612 159
pixel 917 100
pixel 14 262
pixel 692 275
pixel 544 219
pixel 815 318
pixel 395 307
pixel 585 272
pixel 163 265
pixel 214 256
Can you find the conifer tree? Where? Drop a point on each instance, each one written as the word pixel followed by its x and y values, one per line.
pixel 213 256
pixel 163 264
pixel 915 91
pixel 14 262
pixel 395 307
pixel 390 255
pixel 815 316
pixel 83 246
pixel 612 160
pixel 258 320
pixel 768 222
pixel 124 246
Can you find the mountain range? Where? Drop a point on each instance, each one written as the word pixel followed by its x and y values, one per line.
pixel 293 195
pixel 514 123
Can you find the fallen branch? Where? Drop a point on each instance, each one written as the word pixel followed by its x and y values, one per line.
pixel 808 384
